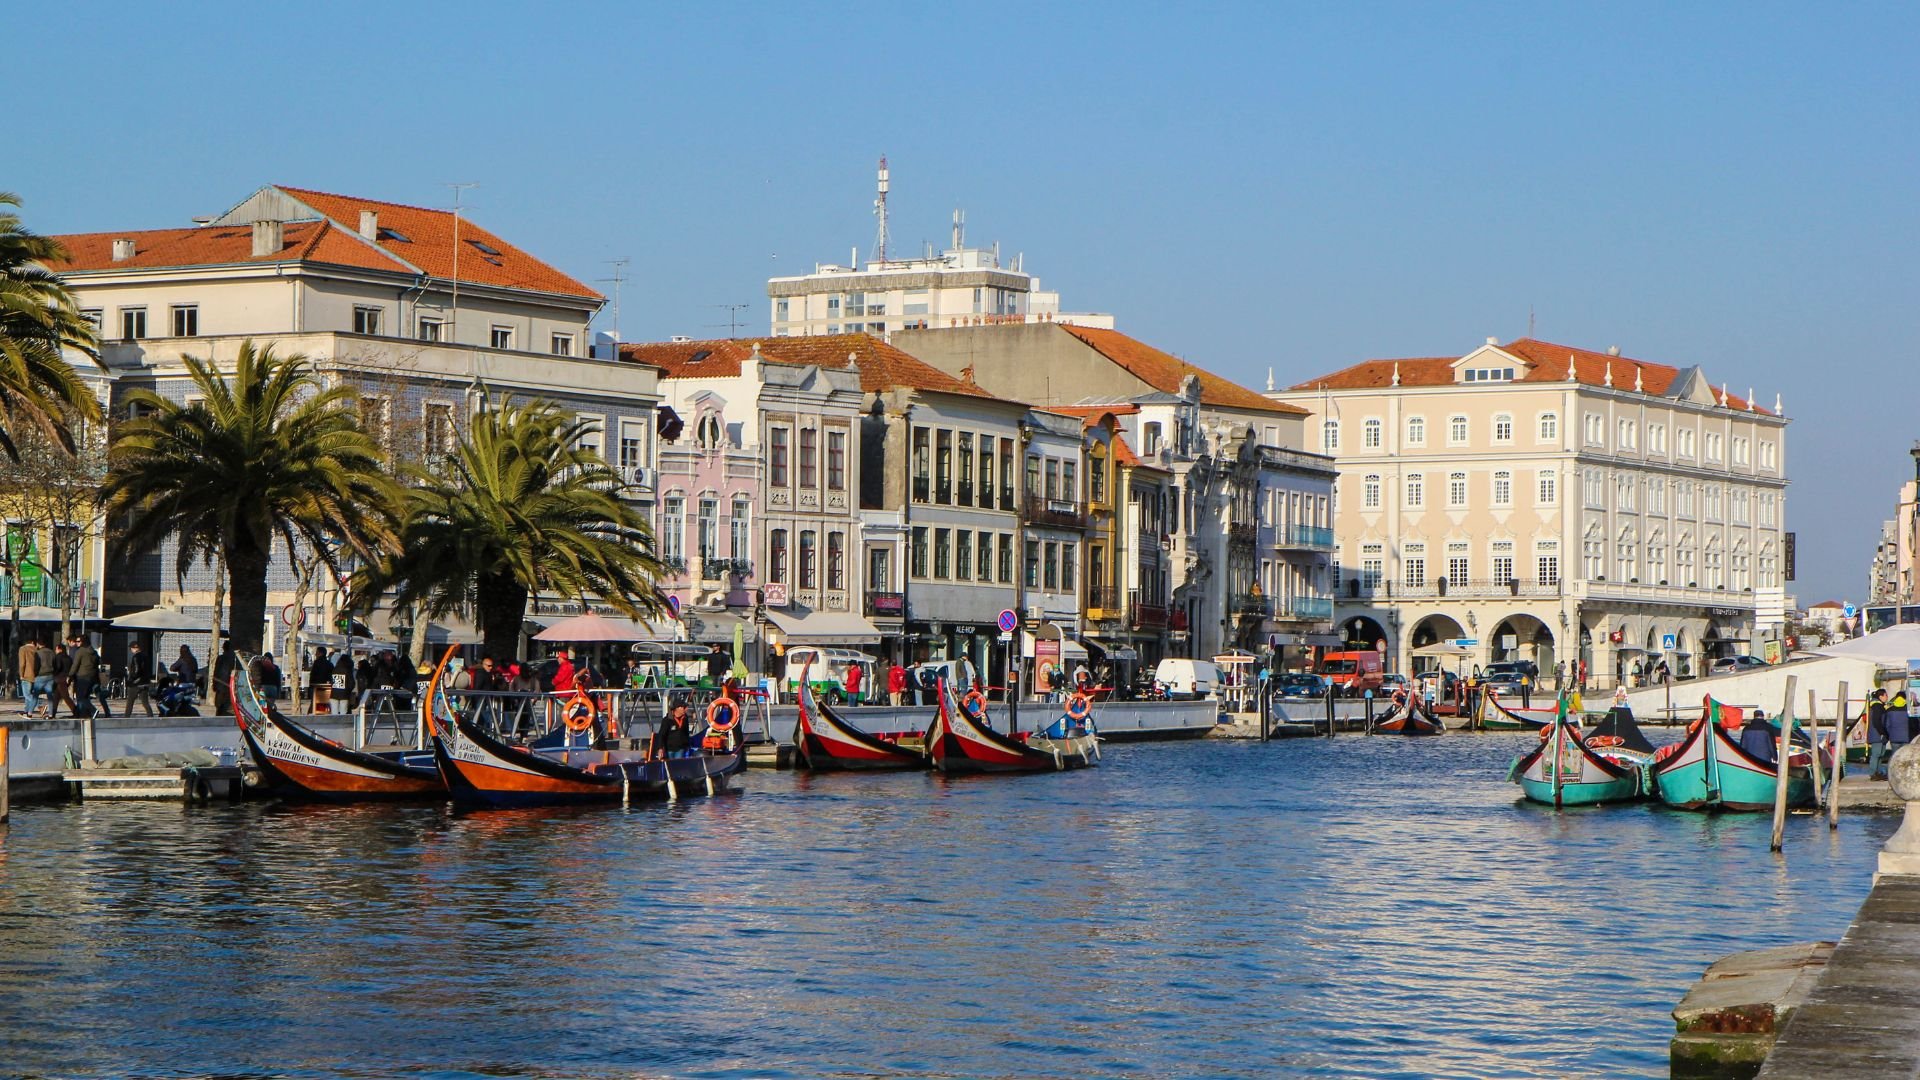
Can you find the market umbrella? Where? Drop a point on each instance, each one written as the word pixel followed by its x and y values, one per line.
pixel 162 618
pixel 592 627
pixel 1892 647
pixel 1444 648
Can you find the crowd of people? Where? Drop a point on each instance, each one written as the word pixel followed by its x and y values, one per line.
pixel 1890 726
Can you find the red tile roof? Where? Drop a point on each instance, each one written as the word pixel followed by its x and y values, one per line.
pixel 301 241
pixel 1165 372
pixel 882 367
pixel 430 244
pixel 1548 364
pixel 1091 413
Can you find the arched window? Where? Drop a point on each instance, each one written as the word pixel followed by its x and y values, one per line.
pixel 1503 428
pixel 1329 436
pixel 1503 488
pixel 1549 427
pixel 1457 489
pixel 1416 431
pixel 1370 492
pixel 1370 434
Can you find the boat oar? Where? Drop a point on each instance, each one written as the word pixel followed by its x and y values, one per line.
pixel 666 767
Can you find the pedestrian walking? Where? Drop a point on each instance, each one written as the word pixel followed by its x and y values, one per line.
pixel 717 664
pixel 31 686
pixel 139 679
pixel 222 682
pixel 1899 721
pixel 63 681
pixel 320 683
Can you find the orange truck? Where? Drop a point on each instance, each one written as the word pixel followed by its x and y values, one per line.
pixel 1352 672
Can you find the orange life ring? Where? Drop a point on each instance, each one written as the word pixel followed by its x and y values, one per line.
pixel 580 712
pixel 974 704
pixel 1606 740
pixel 732 716
pixel 1546 733
pixel 1079 707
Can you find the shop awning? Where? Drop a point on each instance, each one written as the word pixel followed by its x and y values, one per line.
pixel 1070 648
pixel 714 626
pixel 825 628
pixel 1114 650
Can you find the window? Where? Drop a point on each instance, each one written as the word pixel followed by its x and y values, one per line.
pixel 1032 570
pixel 983 556
pixel 366 320
pixel 1737 506
pixel 97 317
pixel 922 464
pixel 808 570
pixel 780 311
pixel 965 492
pixel 1626 555
pixel 1656 495
pixel 1458 557
pixel 439 430
pixel 1370 492
pixel 1329 437
pixel 1683 562
pixel 1097 478
pixel 1416 491
pixel 376 415
pixel 630 446
pixel 1546 560
pixel 963 556
pixel 1625 435
pixel 1742 450
pixel 836 461
pixel 1069 481
pixel 186 320
pixel 943 466
pixel 1051 582
pixel 1502 488
pixel 943 553
pixel 1624 498
pixel 1548 428
pixel 1033 476
pixel 879 573
pixel 986 478
pixel 133 323
pixel 1657 557
pixel 1005 572
pixel 501 337
pixel 1413 571
pixel 919 551
pixel 1502 563
pixel 1683 442
pixel 1769 455
pixel 429 329
pixel 1593 489
pixel 1456 431
pixel 1713 441
pixel 1714 565
pixel 1370 435
pixel 777 455
pixel 673 530
pixel 836 560
pixel 1769 509
pixel 1006 478
pixel 1416 431
pixel 809 457
pixel 1457 489
pixel 1596 429
pixel 1656 438
pixel 563 344
pixel 1710 502
pixel 1053 479
pixel 1370 566
pixel 1594 549
pixel 1503 428
pixel 1488 375
pixel 740 531
pixel 1683 498
pixel 708 527
pixel 1549 487
pixel 1068 569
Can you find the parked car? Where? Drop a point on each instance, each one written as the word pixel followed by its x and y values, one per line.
pixel 1505 677
pixel 1515 667
pixel 1185 678
pixel 1299 686
pixel 1728 665
pixel 1392 681
pixel 1353 671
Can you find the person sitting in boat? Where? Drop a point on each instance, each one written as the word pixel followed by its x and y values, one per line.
pixel 674 736
pixel 1757 737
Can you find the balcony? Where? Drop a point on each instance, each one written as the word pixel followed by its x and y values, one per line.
pixel 1313 608
pixel 1146 616
pixel 1253 604
pixel 1064 513
pixel 886 605
pixel 1103 603
pixel 1310 537
pixel 1442 587
pixel 719 569
pixel 1243 532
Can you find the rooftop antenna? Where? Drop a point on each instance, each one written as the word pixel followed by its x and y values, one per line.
pixel 1529 320
pixel 959 229
pixel 453 318
pixel 880 211
pixel 618 279
pixel 733 318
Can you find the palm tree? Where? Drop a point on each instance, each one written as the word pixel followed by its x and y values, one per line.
pixel 520 507
pixel 268 456
pixel 38 388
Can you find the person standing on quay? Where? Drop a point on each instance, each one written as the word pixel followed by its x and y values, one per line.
pixel 717 664
pixel 1877 733
pixel 222 688
pixel 139 679
pixel 29 677
pixel 1899 721
pixel 854 673
pixel 62 667
pixel 896 683
pixel 84 671
pixel 320 683
pixel 563 673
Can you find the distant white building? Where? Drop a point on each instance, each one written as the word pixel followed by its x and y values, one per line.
pixel 961 286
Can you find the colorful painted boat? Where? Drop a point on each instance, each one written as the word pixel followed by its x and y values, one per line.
pixel 480 769
pixel 1707 770
pixel 825 741
pixel 302 763
pixel 1406 716
pixel 959 742
pixel 1494 715
pixel 1564 770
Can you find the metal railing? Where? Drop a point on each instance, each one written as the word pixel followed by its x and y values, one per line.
pixel 1395 590
pixel 633 712
pixel 1305 607
pixel 1307 536
pixel 1062 512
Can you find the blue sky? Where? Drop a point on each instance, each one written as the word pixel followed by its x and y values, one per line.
pixel 1294 186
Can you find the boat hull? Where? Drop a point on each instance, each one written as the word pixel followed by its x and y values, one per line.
pixel 1708 771
pixel 303 764
pixel 1564 771
pixel 1494 716
pixel 957 743
pixel 828 743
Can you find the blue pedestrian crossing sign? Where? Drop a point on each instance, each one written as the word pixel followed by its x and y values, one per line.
pixel 1669 642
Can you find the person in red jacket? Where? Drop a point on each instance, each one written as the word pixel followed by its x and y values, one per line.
pixel 563 675
pixel 896 683
pixel 854 674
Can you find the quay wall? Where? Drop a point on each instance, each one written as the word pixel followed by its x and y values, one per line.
pixel 1764 687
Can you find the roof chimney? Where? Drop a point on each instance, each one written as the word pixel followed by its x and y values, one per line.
pixel 370 224
pixel 1613 350
pixel 122 250
pixel 268 237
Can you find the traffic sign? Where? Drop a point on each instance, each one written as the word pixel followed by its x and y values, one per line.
pixel 1847 610
pixel 673 606
pixel 1669 642
pixel 1008 621
pixel 1466 642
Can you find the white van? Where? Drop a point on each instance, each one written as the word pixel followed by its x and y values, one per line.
pixel 1188 678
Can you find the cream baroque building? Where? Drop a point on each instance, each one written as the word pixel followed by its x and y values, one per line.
pixel 1553 504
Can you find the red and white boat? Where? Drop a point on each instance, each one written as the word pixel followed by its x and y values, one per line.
pixel 825 741
pixel 958 742
pixel 303 763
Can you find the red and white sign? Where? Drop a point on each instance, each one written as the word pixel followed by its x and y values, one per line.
pixel 775 593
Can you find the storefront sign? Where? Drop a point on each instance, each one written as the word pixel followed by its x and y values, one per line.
pixel 964 631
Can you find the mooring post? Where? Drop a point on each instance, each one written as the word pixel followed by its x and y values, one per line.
pixel 1839 757
pixel 1813 728
pixel 6 768
pixel 1266 712
pixel 1331 720
pixel 1780 767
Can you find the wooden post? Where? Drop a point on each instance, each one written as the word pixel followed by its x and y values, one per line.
pixel 6 768
pixel 1813 719
pixel 1839 757
pixel 1780 768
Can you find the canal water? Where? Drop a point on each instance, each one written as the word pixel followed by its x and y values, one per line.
pixel 1358 906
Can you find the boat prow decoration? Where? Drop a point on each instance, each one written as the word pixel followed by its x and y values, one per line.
pixel 1406 716
pixel 304 763
pixel 1567 769
pixel 1708 770
pixel 1496 715
pixel 959 743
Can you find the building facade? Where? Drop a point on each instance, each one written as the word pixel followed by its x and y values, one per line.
pixel 1583 510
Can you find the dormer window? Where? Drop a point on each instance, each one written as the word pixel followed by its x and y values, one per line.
pixel 1486 375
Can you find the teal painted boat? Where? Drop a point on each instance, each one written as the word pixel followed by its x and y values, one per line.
pixel 1707 770
pixel 1564 771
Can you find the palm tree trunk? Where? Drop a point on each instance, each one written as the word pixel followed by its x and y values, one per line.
pixel 247 595
pixel 500 603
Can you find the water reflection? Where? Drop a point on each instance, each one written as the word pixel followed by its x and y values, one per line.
pixel 1352 906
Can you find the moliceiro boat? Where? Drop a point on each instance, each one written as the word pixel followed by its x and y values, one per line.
pixel 1495 715
pixel 302 763
pixel 959 740
pixel 1708 770
pixel 1406 716
pixel 825 741
pixel 1571 769
pixel 481 769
